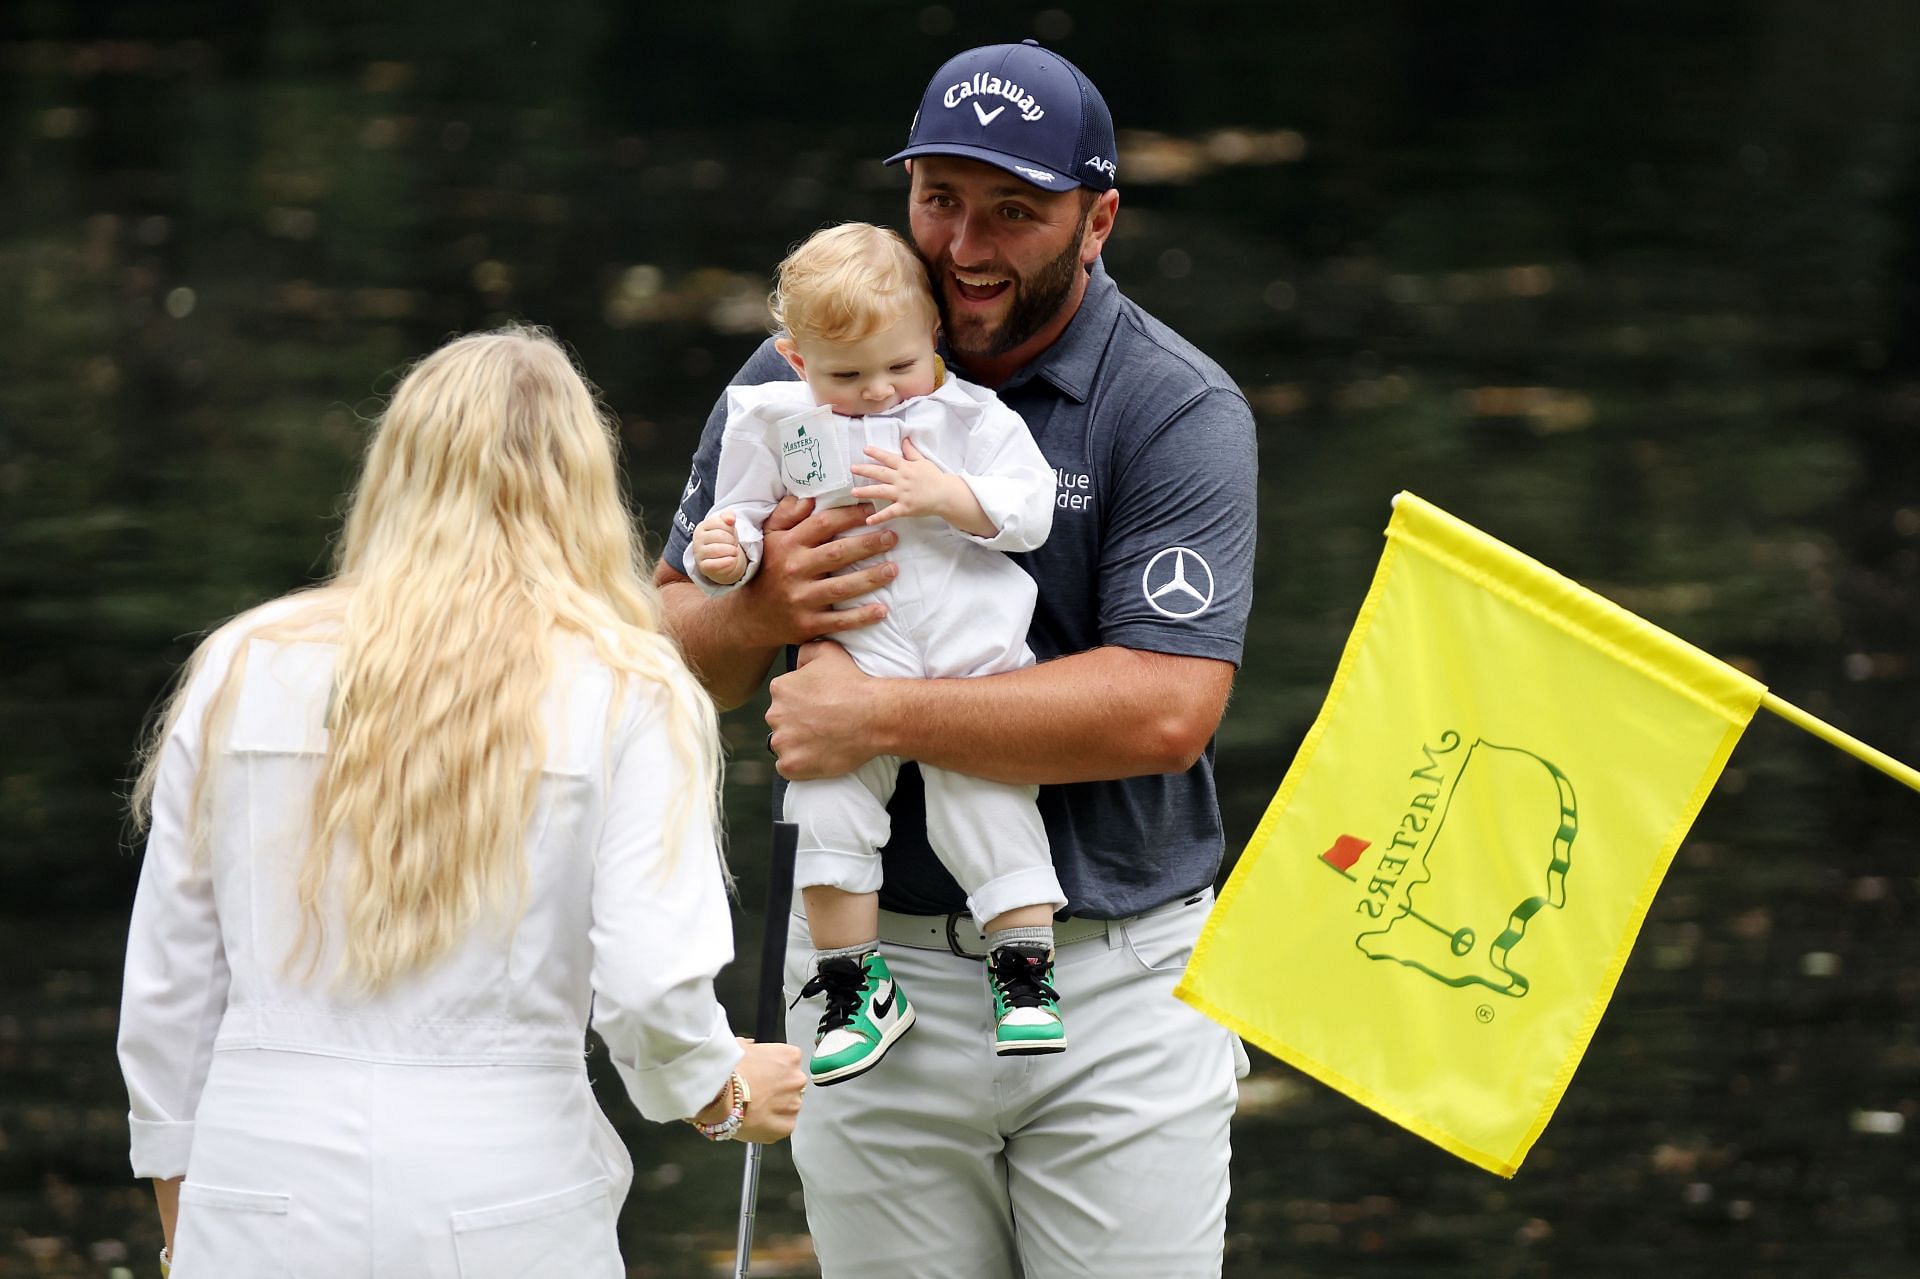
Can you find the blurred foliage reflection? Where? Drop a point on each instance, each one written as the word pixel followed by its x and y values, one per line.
pixel 1634 289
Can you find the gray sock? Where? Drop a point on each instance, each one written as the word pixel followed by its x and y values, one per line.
pixel 1032 935
pixel 855 953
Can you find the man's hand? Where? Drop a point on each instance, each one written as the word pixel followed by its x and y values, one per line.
pixel 819 715
pixel 730 640
pixel 913 485
pixel 797 588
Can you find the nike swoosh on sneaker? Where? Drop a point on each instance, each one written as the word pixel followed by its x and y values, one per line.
pixel 883 1008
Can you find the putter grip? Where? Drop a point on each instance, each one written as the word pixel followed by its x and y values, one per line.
pixel 770 1017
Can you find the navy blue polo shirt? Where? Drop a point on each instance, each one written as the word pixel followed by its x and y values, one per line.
pixel 1152 548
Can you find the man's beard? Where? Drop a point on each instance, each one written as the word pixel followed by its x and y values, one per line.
pixel 1035 303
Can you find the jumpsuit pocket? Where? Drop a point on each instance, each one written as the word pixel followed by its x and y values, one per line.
pixel 231 1232
pixel 566 1235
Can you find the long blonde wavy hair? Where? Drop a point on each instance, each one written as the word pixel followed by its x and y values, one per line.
pixel 486 528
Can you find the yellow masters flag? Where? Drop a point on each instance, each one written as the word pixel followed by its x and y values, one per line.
pixel 1437 905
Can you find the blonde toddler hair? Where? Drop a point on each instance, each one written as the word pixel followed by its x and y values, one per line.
pixel 847 283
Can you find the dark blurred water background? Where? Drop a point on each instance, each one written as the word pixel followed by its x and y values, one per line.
pixel 1632 286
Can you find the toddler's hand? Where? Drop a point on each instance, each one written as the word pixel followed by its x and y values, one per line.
pixel 716 549
pixel 912 484
pixel 915 486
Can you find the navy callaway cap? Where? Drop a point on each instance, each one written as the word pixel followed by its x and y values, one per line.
pixel 1020 107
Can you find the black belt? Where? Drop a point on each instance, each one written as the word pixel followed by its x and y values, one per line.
pixel 958 933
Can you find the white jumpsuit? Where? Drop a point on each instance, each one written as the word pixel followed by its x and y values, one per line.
pixel 958 607
pixel 445 1127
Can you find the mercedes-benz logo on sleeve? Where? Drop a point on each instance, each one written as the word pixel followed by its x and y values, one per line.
pixel 1178 583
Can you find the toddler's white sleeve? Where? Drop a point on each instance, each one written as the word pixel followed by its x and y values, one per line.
pixel 1010 477
pixel 748 484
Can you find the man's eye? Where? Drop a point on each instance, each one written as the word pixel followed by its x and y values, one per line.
pixel 1015 215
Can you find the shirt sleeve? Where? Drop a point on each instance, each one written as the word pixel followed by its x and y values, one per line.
pixel 1011 479
pixel 696 499
pixel 747 483
pixel 660 928
pixel 1176 564
pixel 175 990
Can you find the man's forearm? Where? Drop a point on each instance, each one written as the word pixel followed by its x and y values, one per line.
pixel 722 652
pixel 1093 716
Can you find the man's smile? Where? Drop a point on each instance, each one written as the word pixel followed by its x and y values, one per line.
pixel 979 288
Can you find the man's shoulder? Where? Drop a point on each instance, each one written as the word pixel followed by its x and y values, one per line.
pixel 766 364
pixel 1156 354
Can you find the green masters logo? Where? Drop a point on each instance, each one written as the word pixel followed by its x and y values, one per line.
pixel 800 456
pixel 1483 847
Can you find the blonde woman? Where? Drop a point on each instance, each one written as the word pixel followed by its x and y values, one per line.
pixel 406 830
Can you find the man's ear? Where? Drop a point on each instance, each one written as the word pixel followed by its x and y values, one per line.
pixel 1106 207
pixel 790 349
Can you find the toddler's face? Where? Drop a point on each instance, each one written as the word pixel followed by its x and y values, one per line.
pixel 870 375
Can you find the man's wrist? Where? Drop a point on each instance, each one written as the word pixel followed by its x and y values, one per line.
pixel 888 712
pixel 715 632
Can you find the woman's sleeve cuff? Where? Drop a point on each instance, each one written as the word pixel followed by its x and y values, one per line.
pixel 678 1088
pixel 160 1146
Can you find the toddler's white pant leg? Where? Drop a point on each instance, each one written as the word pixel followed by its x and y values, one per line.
pixel 990 838
pixel 1106 1161
pixel 843 822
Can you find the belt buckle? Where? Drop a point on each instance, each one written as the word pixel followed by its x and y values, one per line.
pixel 953 940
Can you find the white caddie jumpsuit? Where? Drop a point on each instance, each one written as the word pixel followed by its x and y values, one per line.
pixel 958 607
pixel 444 1129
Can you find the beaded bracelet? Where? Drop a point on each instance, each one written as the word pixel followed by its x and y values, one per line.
pixel 728 1127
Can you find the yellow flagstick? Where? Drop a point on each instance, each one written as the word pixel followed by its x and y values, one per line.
pixel 1851 745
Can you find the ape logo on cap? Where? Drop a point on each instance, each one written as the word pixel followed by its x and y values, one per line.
pixel 983 85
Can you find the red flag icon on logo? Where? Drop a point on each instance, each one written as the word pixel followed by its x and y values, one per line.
pixel 1345 852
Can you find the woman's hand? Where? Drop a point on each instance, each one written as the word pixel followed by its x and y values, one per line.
pixel 774 1079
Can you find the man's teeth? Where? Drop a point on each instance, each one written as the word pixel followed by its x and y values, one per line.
pixel 980 281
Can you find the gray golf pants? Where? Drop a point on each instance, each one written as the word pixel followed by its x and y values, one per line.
pixel 1108 1160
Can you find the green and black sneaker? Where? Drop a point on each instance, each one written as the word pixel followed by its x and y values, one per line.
pixel 865 1013
pixel 1026 1007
